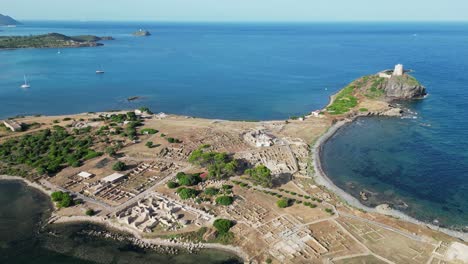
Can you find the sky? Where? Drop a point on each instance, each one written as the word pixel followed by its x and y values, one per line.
pixel 237 10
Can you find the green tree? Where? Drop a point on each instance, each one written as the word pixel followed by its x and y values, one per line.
pixel 188 179
pixel 149 144
pixel 172 185
pixel 119 166
pixel 90 212
pixel 187 193
pixel 211 191
pixel 261 175
pixel 224 200
pixel 223 225
pixel 283 203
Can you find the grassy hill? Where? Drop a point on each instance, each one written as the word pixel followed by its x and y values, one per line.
pixel 51 40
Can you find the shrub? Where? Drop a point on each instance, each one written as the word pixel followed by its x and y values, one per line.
pixel 223 225
pixel 173 140
pixel 187 193
pixel 211 191
pixel 261 175
pixel 149 131
pixel 119 166
pixel 172 185
pixel 330 211
pixel 225 200
pixel 62 199
pixel 149 144
pixel 188 179
pixel 90 212
pixel 283 203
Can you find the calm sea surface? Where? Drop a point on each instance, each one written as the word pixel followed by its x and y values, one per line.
pixel 22 212
pixel 272 71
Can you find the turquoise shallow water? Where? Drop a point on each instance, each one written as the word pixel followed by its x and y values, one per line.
pixel 272 71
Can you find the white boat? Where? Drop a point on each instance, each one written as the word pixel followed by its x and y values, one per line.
pixel 100 71
pixel 26 84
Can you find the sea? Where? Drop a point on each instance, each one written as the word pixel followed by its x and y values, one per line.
pixel 270 71
pixel 26 239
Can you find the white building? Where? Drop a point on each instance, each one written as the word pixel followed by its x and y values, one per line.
pixel 85 175
pixel 12 125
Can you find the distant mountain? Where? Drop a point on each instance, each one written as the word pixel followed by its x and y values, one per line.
pixel 6 21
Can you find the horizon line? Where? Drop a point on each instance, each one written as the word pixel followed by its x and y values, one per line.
pixel 248 21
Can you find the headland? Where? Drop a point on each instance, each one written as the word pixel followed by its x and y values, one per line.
pixel 242 186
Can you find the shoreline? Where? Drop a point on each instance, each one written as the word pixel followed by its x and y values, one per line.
pixel 55 219
pixel 152 241
pixel 322 178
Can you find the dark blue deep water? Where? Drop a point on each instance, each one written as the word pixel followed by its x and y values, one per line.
pixel 272 71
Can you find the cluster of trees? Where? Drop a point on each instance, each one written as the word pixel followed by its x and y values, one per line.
pixel 188 179
pixel 62 199
pixel 223 226
pixel 261 175
pixel 219 165
pixel 49 150
pixel 187 193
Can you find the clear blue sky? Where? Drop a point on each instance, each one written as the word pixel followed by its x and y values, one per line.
pixel 238 10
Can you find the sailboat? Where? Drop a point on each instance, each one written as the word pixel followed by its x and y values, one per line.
pixel 26 84
pixel 100 70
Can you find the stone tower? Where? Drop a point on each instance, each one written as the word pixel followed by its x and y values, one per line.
pixel 398 70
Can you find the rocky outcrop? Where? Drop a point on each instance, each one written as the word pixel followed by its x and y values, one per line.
pixel 404 87
pixel 141 33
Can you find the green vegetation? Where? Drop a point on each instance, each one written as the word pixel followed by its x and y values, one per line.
pixel 223 225
pixel 48 151
pixel 188 179
pixel 375 90
pixel 260 175
pixel 219 165
pixel 149 131
pixel 149 144
pixel 211 191
pixel 145 109
pixel 90 212
pixel 283 203
pixel 62 199
pixel 363 109
pixel 119 166
pixel 51 40
pixel 330 211
pixel 173 140
pixel 172 185
pixel 225 200
pixel 343 101
pixel 186 193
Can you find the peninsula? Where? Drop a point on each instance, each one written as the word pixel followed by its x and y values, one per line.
pixel 51 40
pixel 252 188
pixel 8 21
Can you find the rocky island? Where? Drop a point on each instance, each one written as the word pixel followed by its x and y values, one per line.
pixel 8 21
pixel 51 40
pixel 252 188
pixel 141 33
